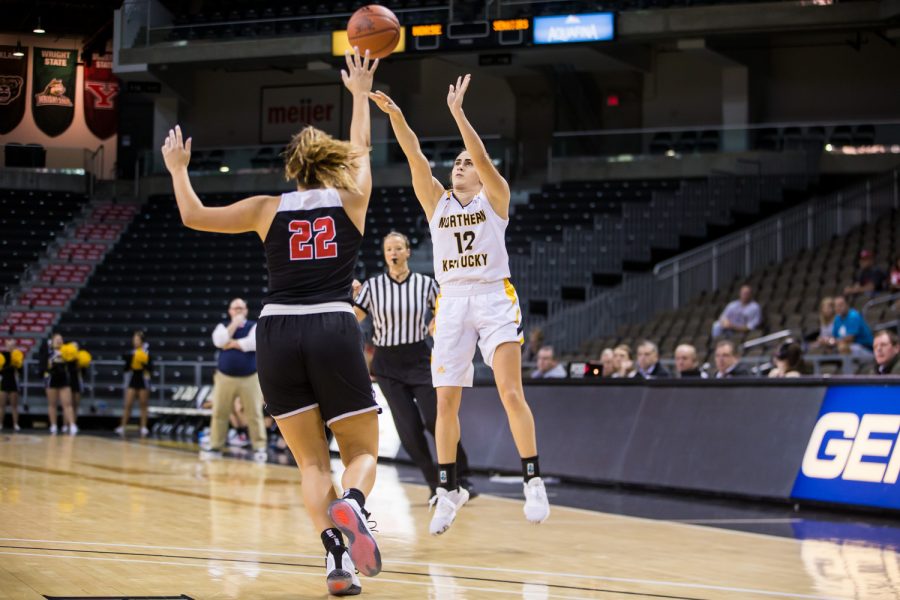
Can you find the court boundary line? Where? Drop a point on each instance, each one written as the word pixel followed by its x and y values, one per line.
pixel 648 520
pixel 632 580
pixel 431 584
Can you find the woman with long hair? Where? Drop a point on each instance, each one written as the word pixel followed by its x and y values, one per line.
pixel 57 386
pixel 138 367
pixel 478 304
pixel 309 357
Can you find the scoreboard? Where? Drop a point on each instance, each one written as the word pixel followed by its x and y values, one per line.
pixel 500 33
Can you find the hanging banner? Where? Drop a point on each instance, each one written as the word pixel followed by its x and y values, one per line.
pixel 101 90
pixel 13 77
pixel 53 101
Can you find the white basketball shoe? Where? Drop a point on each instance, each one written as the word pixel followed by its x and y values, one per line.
pixel 340 572
pixel 537 507
pixel 445 505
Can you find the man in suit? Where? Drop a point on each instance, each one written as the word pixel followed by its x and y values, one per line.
pixel 728 363
pixel 887 354
pixel 648 366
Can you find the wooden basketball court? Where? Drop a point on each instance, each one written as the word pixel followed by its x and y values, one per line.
pixel 93 517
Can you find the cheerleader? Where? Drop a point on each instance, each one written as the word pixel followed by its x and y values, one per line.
pixel 56 382
pixel 138 366
pixel 11 361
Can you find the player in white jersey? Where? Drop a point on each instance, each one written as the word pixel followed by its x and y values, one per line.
pixel 477 305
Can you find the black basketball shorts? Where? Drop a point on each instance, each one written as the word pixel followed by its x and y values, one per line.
pixel 9 384
pixel 311 360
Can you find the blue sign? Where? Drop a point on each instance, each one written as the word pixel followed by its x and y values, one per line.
pixel 593 27
pixel 853 454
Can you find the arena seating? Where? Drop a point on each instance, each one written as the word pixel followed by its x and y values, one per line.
pixel 30 221
pixel 789 294
pixel 573 239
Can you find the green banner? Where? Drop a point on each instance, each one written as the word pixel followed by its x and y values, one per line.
pixel 53 101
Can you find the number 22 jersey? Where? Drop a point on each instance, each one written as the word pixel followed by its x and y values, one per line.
pixel 312 248
pixel 469 242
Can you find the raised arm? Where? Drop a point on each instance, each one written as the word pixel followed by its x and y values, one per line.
pixel 358 78
pixel 495 185
pixel 427 188
pixel 251 214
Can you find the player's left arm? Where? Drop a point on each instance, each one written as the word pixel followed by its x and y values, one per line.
pixel 495 186
pixel 251 214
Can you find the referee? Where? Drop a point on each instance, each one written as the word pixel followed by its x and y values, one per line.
pixel 398 302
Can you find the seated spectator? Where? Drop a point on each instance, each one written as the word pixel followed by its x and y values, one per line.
pixel 740 316
pixel 648 362
pixel 535 342
pixel 547 367
pixel 788 360
pixel 622 361
pixel 686 363
pixel 608 360
pixel 850 333
pixel 728 363
pixel 869 279
pixel 887 349
pixel 826 326
pixel 895 276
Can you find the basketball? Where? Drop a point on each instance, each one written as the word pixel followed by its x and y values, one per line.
pixel 374 28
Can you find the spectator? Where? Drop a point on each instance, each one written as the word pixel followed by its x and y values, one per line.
pixel 895 276
pixel 826 325
pixel 608 360
pixel 622 361
pixel 740 316
pixel 728 363
pixel 887 348
pixel 648 362
pixel 850 333
pixel 236 377
pixel 534 345
pixel 686 363
pixel 788 360
pixel 547 367
pixel 869 279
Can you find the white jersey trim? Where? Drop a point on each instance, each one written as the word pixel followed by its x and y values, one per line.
pixel 310 200
pixel 271 310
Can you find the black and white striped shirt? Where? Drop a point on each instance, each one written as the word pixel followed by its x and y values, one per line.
pixel 398 310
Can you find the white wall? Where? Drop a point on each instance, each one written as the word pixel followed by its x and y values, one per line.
pixel 66 149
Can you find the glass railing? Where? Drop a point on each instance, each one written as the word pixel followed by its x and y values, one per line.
pixel 441 152
pixel 626 145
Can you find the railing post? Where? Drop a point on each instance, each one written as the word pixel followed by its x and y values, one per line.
pixel 676 275
pixel 809 226
pixel 868 201
pixel 896 192
pixel 162 381
pixel 747 240
pixel 840 214
pixel 779 240
pixel 715 267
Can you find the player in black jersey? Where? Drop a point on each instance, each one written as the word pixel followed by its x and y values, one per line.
pixel 308 343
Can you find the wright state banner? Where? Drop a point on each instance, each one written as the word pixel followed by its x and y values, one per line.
pixel 53 98
pixel 13 79
pixel 101 88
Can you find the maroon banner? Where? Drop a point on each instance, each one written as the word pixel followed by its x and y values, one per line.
pixel 101 90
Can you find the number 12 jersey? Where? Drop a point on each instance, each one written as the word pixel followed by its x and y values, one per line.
pixel 469 242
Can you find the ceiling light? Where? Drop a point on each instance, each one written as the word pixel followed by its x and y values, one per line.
pixel 38 28
pixel 224 169
pixel 19 51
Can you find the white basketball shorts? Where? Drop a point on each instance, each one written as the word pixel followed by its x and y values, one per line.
pixel 484 314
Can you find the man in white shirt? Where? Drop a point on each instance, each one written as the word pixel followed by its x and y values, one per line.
pixel 740 316
pixel 547 367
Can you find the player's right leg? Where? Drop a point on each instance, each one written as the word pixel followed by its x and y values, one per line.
pixel 304 434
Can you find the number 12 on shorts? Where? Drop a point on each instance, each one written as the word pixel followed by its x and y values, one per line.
pixel 322 247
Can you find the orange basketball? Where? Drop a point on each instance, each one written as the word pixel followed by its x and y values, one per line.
pixel 374 28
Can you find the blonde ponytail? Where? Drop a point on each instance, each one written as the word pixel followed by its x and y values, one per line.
pixel 315 159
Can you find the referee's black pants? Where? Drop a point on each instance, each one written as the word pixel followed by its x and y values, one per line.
pixel 404 375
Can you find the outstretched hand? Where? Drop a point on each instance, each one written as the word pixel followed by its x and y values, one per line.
pixel 384 102
pixel 176 152
pixel 457 93
pixel 359 73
